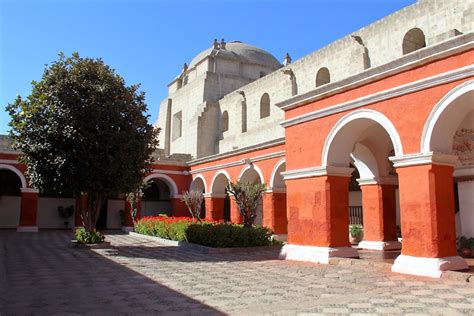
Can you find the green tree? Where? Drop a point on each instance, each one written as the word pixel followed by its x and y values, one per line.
pixel 247 196
pixel 83 131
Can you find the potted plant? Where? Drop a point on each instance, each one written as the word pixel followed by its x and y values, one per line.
pixel 65 213
pixel 466 246
pixel 355 232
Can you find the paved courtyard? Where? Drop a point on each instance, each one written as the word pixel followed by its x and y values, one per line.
pixel 41 275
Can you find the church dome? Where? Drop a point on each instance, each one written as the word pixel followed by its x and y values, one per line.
pixel 241 51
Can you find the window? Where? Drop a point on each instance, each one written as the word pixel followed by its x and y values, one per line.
pixel 265 105
pixel 322 77
pixel 413 40
pixel 225 122
pixel 177 125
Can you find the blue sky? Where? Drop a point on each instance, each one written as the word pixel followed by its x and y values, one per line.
pixel 148 41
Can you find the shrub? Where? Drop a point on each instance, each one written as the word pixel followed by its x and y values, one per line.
pixel 464 242
pixel 247 196
pixel 355 231
pixel 193 200
pixel 211 234
pixel 226 235
pixel 85 237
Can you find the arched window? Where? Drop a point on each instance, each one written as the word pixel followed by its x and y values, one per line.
pixel 322 77
pixel 413 40
pixel 265 105
pixel 225 122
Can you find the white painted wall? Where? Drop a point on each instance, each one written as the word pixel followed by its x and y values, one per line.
pixel 113 213
pixel 10 211
pixel 465 216
pixel 48 216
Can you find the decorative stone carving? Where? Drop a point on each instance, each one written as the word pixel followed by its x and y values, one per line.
pixel 287 60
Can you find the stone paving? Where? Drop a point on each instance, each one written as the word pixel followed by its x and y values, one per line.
pixel 41 275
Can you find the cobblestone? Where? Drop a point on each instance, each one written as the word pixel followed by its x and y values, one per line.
pixel 43 276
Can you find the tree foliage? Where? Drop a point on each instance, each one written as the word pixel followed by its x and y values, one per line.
pixel 193 200
pixel 83 131
pixel 247 196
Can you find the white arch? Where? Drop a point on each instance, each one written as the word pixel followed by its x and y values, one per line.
pixel 363 114
pixel 223 172
pixel 438 110
pixel 365 162
pixel 199 176
pixel 274 172
pixel 17 172
pixel 171 184
pixel 254 167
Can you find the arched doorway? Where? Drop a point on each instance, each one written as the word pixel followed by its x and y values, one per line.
pixel 198 184
pixel 252 174
pixel 275 202
pixel 366 139
pixel 156 198
pixel 10 198
pixel 450 130
pixel 219 200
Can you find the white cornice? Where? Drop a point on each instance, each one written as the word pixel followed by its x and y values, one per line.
pixel 9 161
pixel 424 159
pixel 240 162
pixel 165 171
pixel 317 172
pixel 447 48
pixel 276 190
pixel 276 142
pixel 464 171
pixel 411 87
pixel 390 180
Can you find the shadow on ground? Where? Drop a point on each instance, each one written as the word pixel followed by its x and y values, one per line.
pixel 44 276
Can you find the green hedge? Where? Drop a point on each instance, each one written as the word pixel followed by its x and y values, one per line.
pixel 226 235
pixel 210 234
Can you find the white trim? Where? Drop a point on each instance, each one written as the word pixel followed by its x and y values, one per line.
pixel 171 184
pixel 380 245
pixel 29 190
pixel 254 167
pixel 11 161
pixel 17 172
pixel 429 267
pixel 424 159
pixel 276 190
pixel 363 114
pixel 249 149
pixel 215 195
pixel 165 171
pixel 27 229
pixel 438 109
pixel 463 171
pixel 316 254
pixel 429 54
pixel 278 165
pixel 199 176
pixel 223 172
pixel 239 162
pixel 390 180
pixel 317 172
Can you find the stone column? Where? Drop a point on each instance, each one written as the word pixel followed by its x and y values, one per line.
pixel 235 216
pixel 28 210
pixel 380 215
pixel 427 215
pixel 214 206
pixel 179 208
pixel 318 217
pixel 274 212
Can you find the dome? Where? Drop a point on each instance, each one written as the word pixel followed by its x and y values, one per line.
pixel 244 52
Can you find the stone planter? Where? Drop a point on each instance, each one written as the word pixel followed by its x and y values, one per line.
pixel 74 244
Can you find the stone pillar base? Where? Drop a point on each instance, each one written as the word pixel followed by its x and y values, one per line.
pixel 316 254
pixel 27 229
pixel 429 267
pixel 127 229
pixel 380 245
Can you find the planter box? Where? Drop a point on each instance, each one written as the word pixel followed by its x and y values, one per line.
pixel 102 245
pixel 209 250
